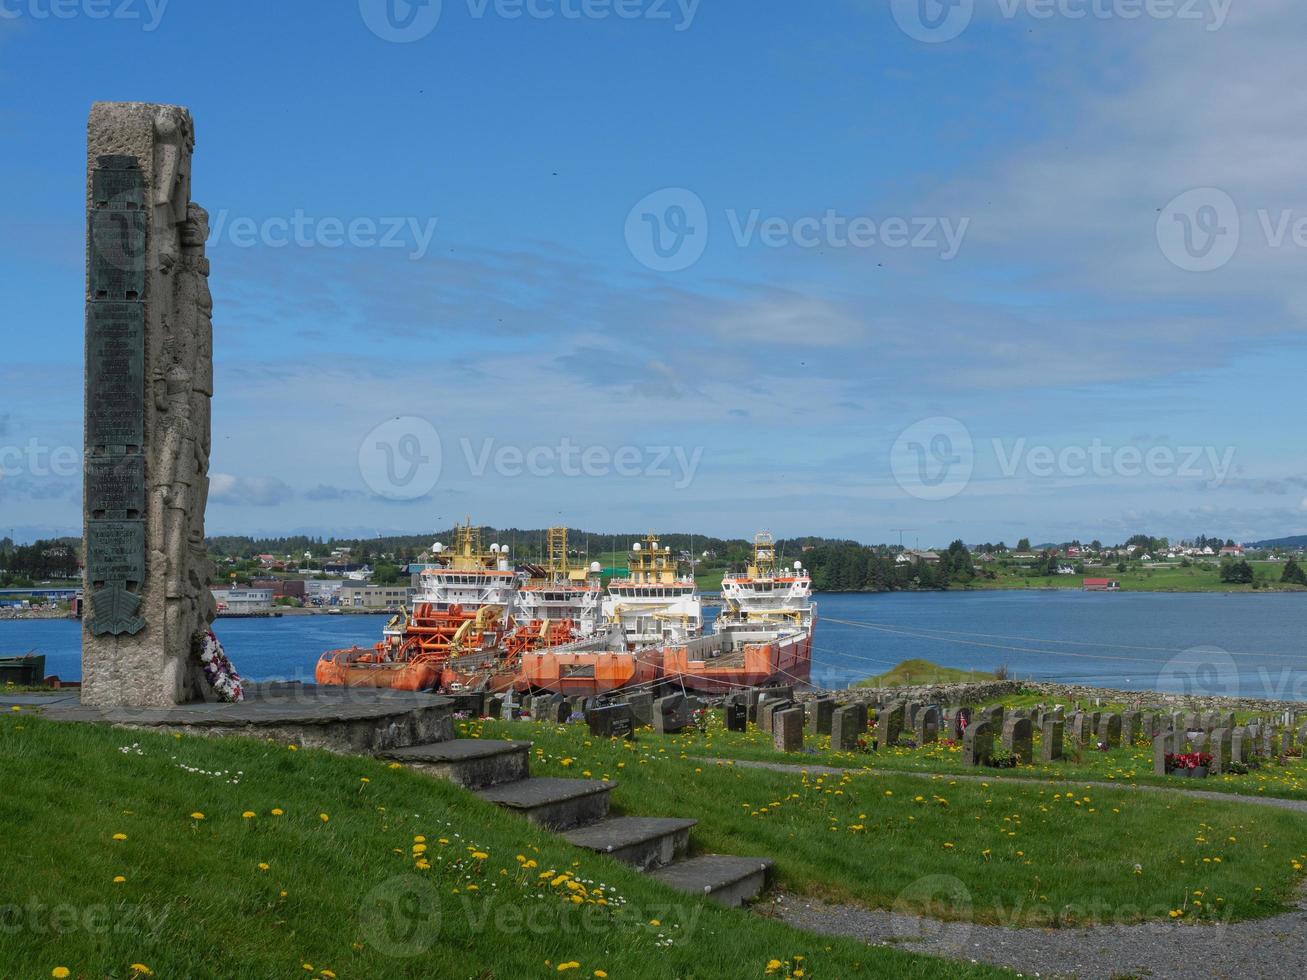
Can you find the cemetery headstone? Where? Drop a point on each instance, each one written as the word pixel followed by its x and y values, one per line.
pixel 671 715
pixel 787 729
pixel 611 721
pixel 819 721
pixel 1018 738
pixel 890 725
pixel 1051 748
pixel 978 744
pixel 1109 730
pixel 847 725
pixel 926 727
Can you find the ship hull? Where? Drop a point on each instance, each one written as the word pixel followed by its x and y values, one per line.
pixel 586 673
pixel 785 660
pixel 366 668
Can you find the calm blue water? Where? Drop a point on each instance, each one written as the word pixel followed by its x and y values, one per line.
pixel 1250 645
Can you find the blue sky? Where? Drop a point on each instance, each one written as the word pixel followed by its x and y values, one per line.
pixel 715 266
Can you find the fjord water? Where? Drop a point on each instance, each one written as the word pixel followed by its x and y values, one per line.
pixel 1246 644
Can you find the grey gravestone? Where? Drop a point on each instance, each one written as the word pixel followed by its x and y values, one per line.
pixel 1052 730
pixel 736 716
pixel 1018 738
pixel 926 727
pixel 148 385
pixel 1131 725
pixel 613 721
pixel 495 707
pixel 847 725
pixel 787 729
pixel 641 709
pixel 1081 730
pixel 510 711
pixel 767 712
pixel 1161 749
pixel 671 715
pixel 978 744
pixel 559 710
pixel 1109 730
pixel 1240 745
pixel 1222 744
pixel 823 709
pixel 890 726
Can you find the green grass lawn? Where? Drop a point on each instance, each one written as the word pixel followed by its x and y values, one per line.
pixel 1024 852
pixel 1165 578
pixel 232 857
pixel 918 671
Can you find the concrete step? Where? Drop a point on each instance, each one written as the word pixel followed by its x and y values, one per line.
pixel 470 762
pixel 645 842
pixel 559 804
pixel 727 880
pixel 347 720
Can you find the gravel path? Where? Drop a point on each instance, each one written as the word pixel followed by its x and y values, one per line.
pixel 1264 948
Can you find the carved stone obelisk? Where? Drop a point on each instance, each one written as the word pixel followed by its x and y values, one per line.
pixel 149 381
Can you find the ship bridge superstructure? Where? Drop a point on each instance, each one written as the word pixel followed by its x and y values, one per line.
pixel 655 602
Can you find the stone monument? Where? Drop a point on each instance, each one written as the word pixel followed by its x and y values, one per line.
pixel 149 380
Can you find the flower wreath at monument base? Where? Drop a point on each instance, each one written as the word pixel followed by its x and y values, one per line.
pixel 219 673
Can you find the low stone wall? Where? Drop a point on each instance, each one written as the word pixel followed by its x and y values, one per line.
pixel 984 692
pixel 992 692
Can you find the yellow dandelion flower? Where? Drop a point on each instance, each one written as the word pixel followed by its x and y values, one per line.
pixel 323 817
pixel 142 970
pixel 263 865
pixel 59 971
pixel 278 811
pixel 248 815
pixel 197 815
pixel 118 879
pixel 119 836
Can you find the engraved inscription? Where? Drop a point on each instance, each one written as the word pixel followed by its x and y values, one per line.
pixel 115 375
pixel 118 190
pixel 115 552
pixel 115 487
pixel 118 240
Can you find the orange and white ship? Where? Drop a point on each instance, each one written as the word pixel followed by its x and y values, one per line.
pixel 655 604
pixel 762 636
pixel 559 602
pixel 462 614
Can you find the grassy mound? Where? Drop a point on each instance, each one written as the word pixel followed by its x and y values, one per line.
pixel 917 671
pixel 129 851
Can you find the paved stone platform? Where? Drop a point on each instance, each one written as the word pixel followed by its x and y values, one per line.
pixel 334 718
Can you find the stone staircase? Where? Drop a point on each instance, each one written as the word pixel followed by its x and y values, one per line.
pixel 499 772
